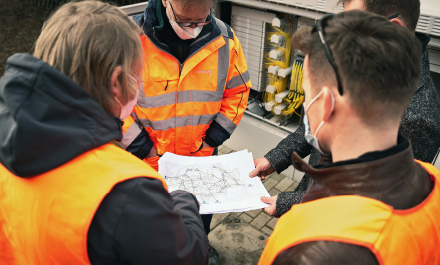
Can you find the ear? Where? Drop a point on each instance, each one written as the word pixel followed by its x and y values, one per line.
pixel 164 3
pixel 329 103
pixel 115 85
pixel 397 21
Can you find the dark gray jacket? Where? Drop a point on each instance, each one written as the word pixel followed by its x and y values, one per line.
pixel 420 124
pixel 47 120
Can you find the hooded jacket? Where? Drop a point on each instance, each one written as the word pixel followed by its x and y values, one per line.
pixel 47 120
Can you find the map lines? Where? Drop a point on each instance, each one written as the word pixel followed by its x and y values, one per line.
pixel 208 185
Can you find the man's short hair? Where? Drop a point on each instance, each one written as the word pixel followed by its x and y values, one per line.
pixel 408 10
pixel 378 62
pixel 191 4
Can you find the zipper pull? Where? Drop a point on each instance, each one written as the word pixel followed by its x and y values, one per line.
pixel 166 86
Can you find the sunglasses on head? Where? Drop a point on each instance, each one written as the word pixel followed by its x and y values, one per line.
pixel 319 27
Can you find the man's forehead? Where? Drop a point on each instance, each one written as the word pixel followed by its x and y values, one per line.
pixel 196 12
pixel 354 5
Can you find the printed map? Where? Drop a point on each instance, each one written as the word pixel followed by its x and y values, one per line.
pixel 208 185
pixel 220 183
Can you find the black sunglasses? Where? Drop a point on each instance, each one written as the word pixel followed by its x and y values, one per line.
pixel 319 27
pixel 191 24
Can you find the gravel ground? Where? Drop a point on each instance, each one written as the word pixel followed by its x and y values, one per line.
pixel 20 26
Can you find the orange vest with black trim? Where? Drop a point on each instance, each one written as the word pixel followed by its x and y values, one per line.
pixel 45 219
pixel 395 237
pixel 178 102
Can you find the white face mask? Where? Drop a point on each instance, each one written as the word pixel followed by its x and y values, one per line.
pixel 128 108
pixel 310 138
pixel 183 33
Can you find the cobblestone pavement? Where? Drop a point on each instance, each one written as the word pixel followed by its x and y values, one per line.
pixel 240 237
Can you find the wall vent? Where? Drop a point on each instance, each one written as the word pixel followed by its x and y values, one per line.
pixel 320 5
pixel 436 27
pixel 423 24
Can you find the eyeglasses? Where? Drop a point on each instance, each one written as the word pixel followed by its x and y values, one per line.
pixel 191 24
pixel 319 27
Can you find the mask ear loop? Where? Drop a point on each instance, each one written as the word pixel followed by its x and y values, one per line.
pixel 322 122
pixel 313 100
pixel 120 108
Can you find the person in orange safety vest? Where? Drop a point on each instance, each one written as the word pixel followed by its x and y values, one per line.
pixel 194 84
pixel 67 194
pixel 374 204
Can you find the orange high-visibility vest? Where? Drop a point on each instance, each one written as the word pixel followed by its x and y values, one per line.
pixel 178 102
pixel 395 237
pixel 45 219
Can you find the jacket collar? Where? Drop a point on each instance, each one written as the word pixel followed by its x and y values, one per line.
pixel 150 22
pixel 384 179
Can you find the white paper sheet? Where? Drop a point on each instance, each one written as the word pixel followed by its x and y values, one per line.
pixel 220 183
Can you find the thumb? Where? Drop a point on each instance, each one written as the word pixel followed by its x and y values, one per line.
pixel 265 199
pixel 254 172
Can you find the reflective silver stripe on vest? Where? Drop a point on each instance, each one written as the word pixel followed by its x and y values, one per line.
pixel 191 120
pixel 182 97
pixel 223 57
pixel 238 80
pixel 226 123
pixel 222 27
pixel 131 134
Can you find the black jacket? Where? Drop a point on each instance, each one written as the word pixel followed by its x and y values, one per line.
pixel 420 124
pixel 390 176
pixel 47 120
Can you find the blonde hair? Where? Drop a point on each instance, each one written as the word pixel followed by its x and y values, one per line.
pixel 87 41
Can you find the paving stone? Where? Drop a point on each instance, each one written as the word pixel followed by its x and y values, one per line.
pixel 254 213
pixel 271 224
pixel 270 183
pixel 293 186
pixel 217 218
pixel 260 220
pixel 274 192
pixel 246 217
pixel 226 150
pixel 284 184
pixel 220 147
pixel 238 244
pixel 277 177
pixel 266 230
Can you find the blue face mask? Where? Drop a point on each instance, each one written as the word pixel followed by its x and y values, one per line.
pixel 310 138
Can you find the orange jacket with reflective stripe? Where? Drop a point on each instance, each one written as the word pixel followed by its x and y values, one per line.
pixel 45 219
pixel 394 236
pixel 178 102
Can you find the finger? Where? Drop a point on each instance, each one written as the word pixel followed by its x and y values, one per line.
pixel 262 177
pixel 266 210
pixel 270 210
pixel 254 173
pixel 265 199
